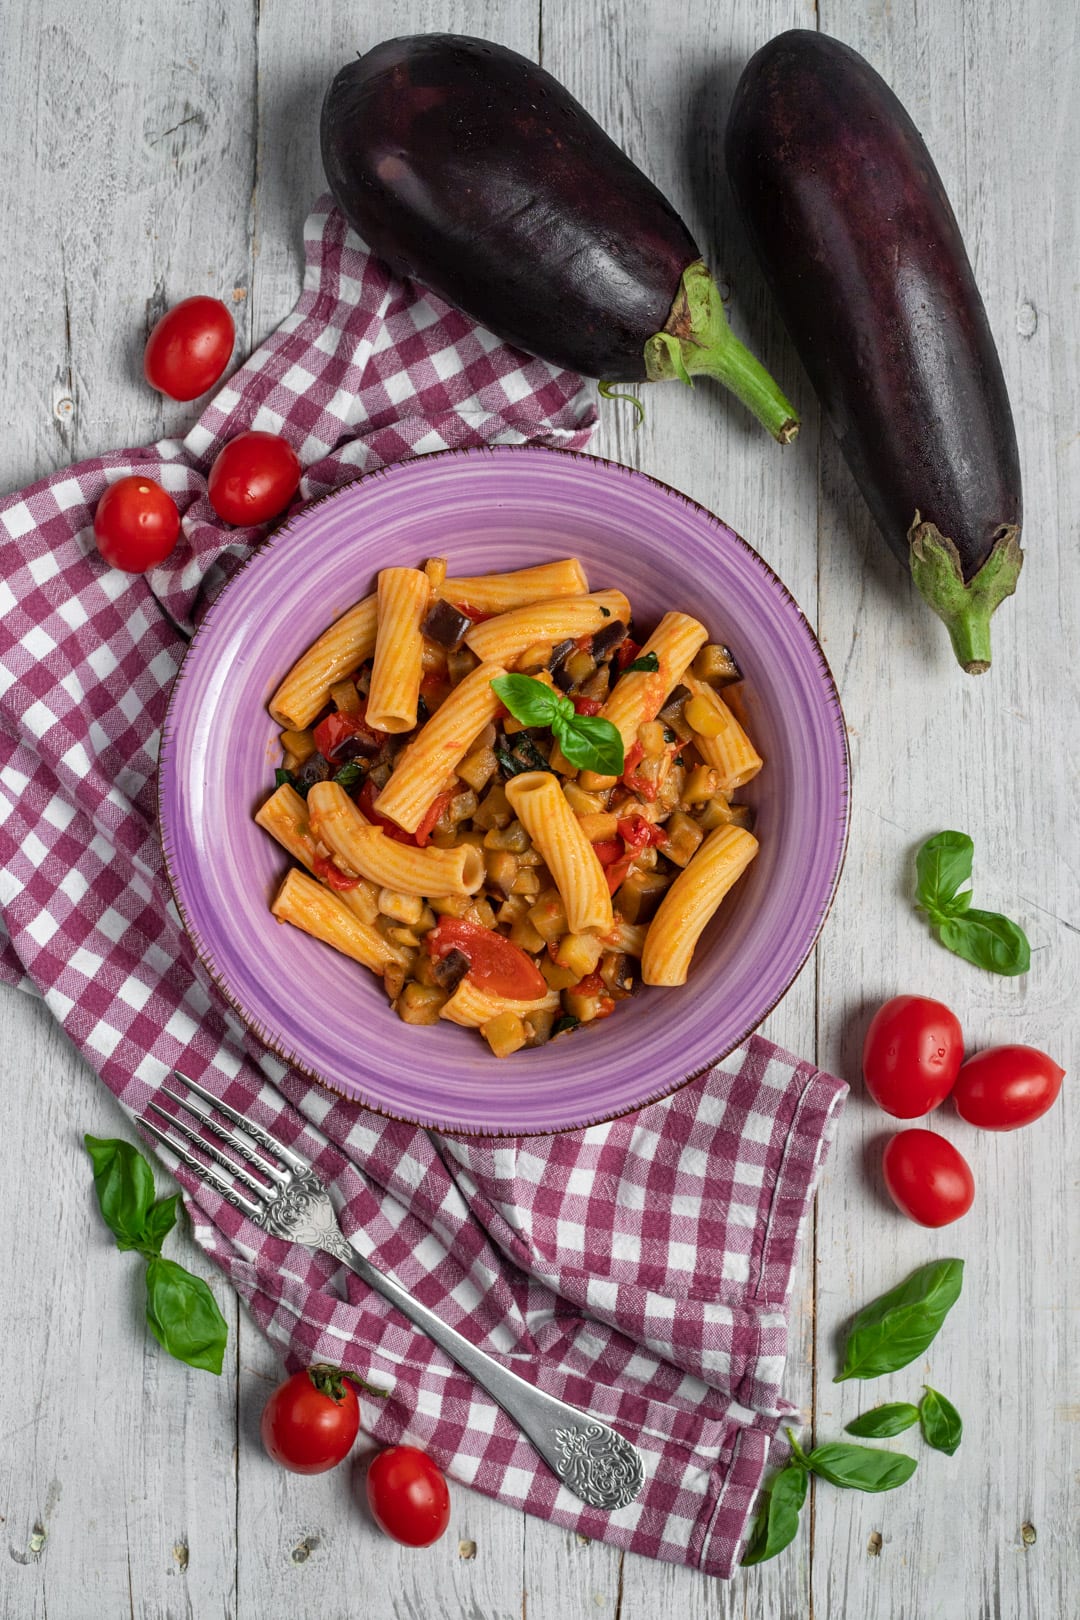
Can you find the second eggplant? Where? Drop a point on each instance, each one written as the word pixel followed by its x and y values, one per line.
pixel 863 254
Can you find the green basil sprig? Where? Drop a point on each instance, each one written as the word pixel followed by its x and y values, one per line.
pixel 942 1425
pixel 181 1312
pixel 884 1421
pixel 858 1468
pixel 985 938
pixel 893 1330
pixel 778 1517
pixel 588 741
pixel 647 664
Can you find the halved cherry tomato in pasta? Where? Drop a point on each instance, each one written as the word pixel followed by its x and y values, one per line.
pixel 608 851
pixel 495 964
pixel 369 793
pixel 585 705
pixel 626 652
pixel 431 816
pixel 637 833
pixel 339 727
pixel 324 868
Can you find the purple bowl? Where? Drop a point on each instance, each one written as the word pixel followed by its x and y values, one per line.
pixel 491 510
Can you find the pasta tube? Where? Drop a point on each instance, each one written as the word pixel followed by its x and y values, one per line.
pixel 358 847
pixel 285 817
pixel 471 1007
pixel 319 912
pixel 439 748
pixel 730 751
pixel 639 696
pixel 306 688
pixel 540 805
pixel 503 639
pixel 691 901
pixel 498 593
pixel 403 595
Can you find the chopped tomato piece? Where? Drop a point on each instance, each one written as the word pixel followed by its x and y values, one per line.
pixel 495 963
pixel 472 613
pixel 585 705
pixel 432 814
pixel 608 850
pixel 616 872
pixel 337 727
pixel 637 833
pixel 626 652
pixel 593 985
pixel 368 794
pixel 324 867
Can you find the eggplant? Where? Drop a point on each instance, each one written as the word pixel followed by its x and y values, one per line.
pixel 864 257
pixel 465 166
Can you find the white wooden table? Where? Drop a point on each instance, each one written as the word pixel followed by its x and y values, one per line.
pixel 155 151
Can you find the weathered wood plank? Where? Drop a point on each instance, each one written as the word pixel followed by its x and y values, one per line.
pixel 934 749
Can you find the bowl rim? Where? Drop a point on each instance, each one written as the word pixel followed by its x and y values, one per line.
pixel 268 1038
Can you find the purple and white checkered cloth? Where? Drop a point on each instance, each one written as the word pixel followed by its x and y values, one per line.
pixel 638 1269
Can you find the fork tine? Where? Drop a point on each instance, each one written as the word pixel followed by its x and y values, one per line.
pixel 257 1134
pixel 272 1171
pixel 205 1171
pixel 212 1151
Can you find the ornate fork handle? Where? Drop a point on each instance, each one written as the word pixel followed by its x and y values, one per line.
pixel 590 1458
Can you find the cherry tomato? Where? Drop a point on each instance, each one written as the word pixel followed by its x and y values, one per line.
pixel 912 1055
pixel 136 524
pixel 408 1497
pixel 495 963
pixel 189 348
pixel 254 477
pixel 311 1420
pixel 337 728
pixel 1006 1087
pixel 928 1180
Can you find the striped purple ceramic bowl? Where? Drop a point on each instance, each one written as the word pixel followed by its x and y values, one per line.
pixel 491 510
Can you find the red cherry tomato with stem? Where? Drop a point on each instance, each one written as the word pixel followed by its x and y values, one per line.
pixel 311 1420
pixel 408 1497
pixel 912 1055
pixel 1006 1087
pixel 136 524
pixel 254 477
pixel 928 1180
pixel 189 348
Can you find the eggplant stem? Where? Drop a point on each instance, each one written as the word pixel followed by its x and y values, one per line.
pixel 605 390
pixel 698 341
pixel 964 607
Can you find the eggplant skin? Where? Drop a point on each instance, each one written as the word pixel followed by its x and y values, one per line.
pixel 864 257
pixel 465 166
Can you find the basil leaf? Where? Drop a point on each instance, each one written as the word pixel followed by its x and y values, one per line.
pixel 884 1421
pixel 160 1221
pixel 778 1518
pixel 563 1024
pixel 893 1330
pixel 943 864
pixel 591 743
pixel 183 1315
pixel 988 940
pixel 647 664
pixel 283 778
pixel 954 907
pixel 124 1184
pixel 350 773
pixel 942 1425
pixel 861 1468
pixel 529 701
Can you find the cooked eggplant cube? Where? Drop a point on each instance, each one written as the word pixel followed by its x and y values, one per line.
pixel 608 637
pixel 446 625
pixel 717 665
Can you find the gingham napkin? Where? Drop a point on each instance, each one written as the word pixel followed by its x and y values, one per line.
pixel 638 1269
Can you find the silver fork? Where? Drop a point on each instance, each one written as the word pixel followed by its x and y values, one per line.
pixel 288 1199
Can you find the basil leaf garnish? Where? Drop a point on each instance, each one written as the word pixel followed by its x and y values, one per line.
pixel 592 744
pixel 587 741
pixel 942 1425
pixel 647 664
pixel 984 938
pixel 778 1518
pixel 988 940
pixel 124 1184
pixel 563 1024
pixel 183 1315
pixel 160 1220
pixel 882 1422
pixel 893 1330
pixel 350 773
pixel 283 778
pixel 529 701
pixel 861 1468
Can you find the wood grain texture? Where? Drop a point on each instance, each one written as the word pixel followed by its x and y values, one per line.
pixel 153 155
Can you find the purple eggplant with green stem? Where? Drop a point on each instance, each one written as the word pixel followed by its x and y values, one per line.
pixel 864 257
pixel 470 169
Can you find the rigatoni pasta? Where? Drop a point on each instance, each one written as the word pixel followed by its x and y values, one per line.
pixel 454 848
